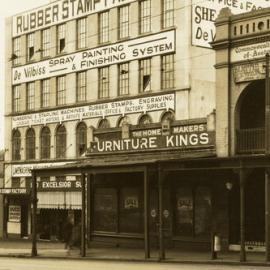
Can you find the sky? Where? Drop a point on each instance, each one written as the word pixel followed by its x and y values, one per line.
pixel 10 8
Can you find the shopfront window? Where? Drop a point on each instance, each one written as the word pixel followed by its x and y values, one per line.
pixel 193 211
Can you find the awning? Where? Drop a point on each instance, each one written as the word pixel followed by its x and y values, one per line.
pixel 59 200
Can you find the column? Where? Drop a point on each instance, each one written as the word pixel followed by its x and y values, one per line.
pixel 34 214
pixel 267 215
pixel 89 205
pixel 160 214
pixel 83 216
pixel 242 216
pixel 146 214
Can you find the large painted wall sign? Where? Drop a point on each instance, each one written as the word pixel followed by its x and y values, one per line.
pixel 204 14
pixel 139 48
pixel 59 12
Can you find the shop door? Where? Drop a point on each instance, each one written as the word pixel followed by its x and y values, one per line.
pixel 24 220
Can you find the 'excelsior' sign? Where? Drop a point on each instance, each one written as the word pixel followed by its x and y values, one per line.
pixel 139 48
pixel 59 12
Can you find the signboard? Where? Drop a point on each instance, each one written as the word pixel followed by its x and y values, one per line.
pixel 59 12
pixel 13 191
pixel 14 213
pixel 24 170
pixel 249 52
pixel 148 46
pixel 181 137
pixel 248 72
pixel 131 202
pixel 59 185
pixel 204 14
pixel 123 107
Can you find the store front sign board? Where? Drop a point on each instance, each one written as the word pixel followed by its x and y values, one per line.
pixel 59 185
pixel 134 49
pixel 248 72
pixel 181 137
pixel 204 14
pixel 250 52
pixel 25 170
pixel 115 108
pixel 13 191
pixel 60 12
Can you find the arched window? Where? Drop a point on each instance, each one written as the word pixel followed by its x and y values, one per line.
pixel 16 145
pixel 30 148
pixel 45 143
pixel 122 120
pixel 145 120
pixel 168 117
pixel 104 123
pixel 61 142
pixel 81 138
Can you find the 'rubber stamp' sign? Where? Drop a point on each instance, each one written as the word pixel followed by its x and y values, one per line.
pixel 124 107
pixel 59 12
pixel 204 14
pixel 139 48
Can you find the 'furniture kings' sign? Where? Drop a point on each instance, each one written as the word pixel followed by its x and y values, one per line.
pixel 148 46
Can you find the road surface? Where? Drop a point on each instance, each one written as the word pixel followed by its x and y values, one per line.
pixel 50 264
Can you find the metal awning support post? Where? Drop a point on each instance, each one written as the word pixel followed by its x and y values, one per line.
pixel 242 215
pixel 267 152
pixel 160 214
pixel 83 216
pixel 88 210
pixel 34 214
pixel 267 215
pixel 146 214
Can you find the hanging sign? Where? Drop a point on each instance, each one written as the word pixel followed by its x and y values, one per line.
pixel 134 49
pixel 204 14
pixel 60 12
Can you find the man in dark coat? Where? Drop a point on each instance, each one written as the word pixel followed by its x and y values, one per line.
pixel 68 233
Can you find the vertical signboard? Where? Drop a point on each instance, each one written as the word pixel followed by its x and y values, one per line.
pixel 204 14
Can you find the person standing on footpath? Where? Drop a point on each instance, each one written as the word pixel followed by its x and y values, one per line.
pixel 68 233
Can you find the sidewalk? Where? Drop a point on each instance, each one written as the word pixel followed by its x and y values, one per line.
pixel 56 250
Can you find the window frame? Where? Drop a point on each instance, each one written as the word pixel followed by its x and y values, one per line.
pixel 16 145
pixel 168 71
pixel 45 143
pixel 61 90
pixel 30 144
pixel 145 75
pixel 123 79
pixel 16 98
pixel 45 42
pixel 61 38
pixel 167 14
pixel 81 33
pixel 81 88
pixel 17 48
pixel 30 96
pixel 60 142
pixel 103 82
pixel 104 27
pixel 45 95
pixel 30 46
pixel 145 16
pixel 81 138
pixel 123 22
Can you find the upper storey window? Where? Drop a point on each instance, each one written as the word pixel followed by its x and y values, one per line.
pixel 30 47
pixel 16 51
pixel 167 71
pixel 145 16
pixel 123 22
pixel 46 40
pixel 45 93
pixel 145 75
pixel 103 82
pixel 16 98
pixel 61 38
pixel 30 97
pixel 61 90
pixel 81 33
pixel 81 86
pixel 104 27
pixel 167 13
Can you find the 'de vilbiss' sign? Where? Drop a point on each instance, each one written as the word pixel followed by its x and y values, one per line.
pixel 204 14
pixel 59 12
pixel 139 48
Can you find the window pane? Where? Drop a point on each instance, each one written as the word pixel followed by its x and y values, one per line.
pixel 145 75
pixel 104 27
pixel 167 71
pixel 45 93
pixel 184 212
pixel 45 142
pixel 16 50
pixel 145 16
pixel 16 98
pixel 123 79
pixel 81 86
pixel 202 211
pixel 104 82
pixel 123 22
pixel 81 139
pixel 30 144
pixel 30 46
pixel 30 98
pixel 61 37
pixel 16 145
pixel 46 39
pixel 61 142
pixel 81 33
pixel 168 13
pixel 61 90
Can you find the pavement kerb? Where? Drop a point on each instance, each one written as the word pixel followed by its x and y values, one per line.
pixel 151 260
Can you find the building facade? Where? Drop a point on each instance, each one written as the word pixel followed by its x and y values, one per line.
pixel 90 81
